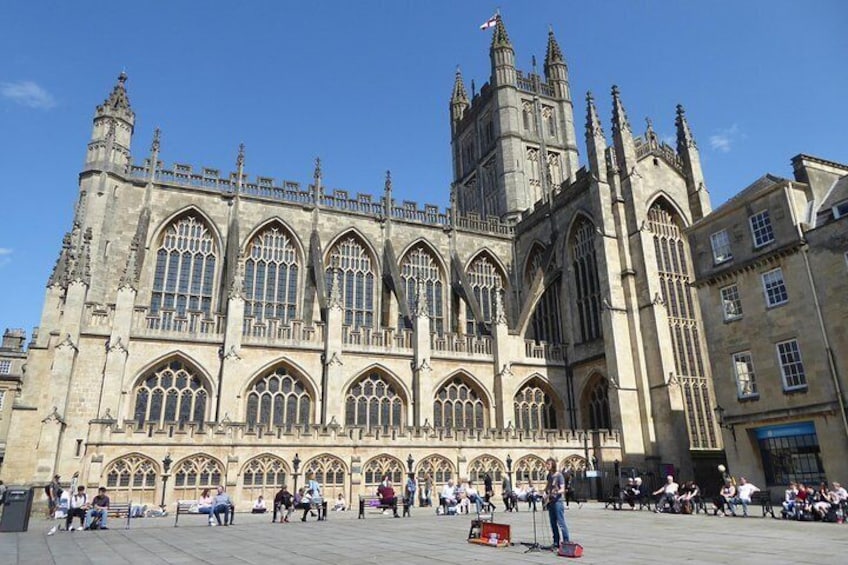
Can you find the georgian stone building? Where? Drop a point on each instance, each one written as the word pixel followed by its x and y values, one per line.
pixel 201 328
pixel 772 276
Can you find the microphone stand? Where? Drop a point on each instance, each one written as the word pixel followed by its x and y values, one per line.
pixel 534 545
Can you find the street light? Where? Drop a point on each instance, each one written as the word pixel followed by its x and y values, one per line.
pixel 166 468
pixel 719 412
pixel 296 467
pixel 509 469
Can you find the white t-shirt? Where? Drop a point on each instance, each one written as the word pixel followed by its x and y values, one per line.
pixel 745 491
pixel 448 492
pixel 671 488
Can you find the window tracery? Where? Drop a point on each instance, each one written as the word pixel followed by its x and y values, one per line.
pixel 420 265
pixel 458 405
pixel 280 398
pixel 374 401
pixel 270 276
pixel 170 393
pixel 356 276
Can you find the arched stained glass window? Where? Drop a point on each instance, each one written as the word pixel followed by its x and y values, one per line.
pixel 438 468
pixel 263 475
pixel 485 278
pixel 270 276
pixel 596 406
pixel 330 473
pixel 545 324
pixel 132 477
pixel 172 392
pixel 478 468
pixel 194 474
pixel 185 269
pixel 356 277
pixel 534 409
pixel 585 270
pixel 383 466
pixel 458 405
pixel 531 468
pixel 280 398
pixel 373 401
pixel 419 264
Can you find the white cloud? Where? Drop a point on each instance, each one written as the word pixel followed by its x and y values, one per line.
pixel 5 256
pixel 27 93
pixel 724 139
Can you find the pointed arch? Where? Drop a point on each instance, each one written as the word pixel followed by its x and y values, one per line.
pixel 460 402
pixel 545 321
pixel 195 473
pixel 421 262
pixel 172 391
pixel 533 261
pixel 185 277
pixel 536 405
pixel 376 399
pixel 530 468
pixel 280 396
pixel 594 403
pixel 482 464
pixel 384 465
pixel 131 477
pixel 273 269
pixel 486 276
pixel 581 253
pixel 262 475
pixel 281 224
pixel 330 472
pixel 573 463
pixel 435 468
pixel 359 275
pixel 156 235
pixel 664 199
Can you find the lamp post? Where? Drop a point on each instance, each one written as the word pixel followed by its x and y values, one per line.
pixel 509 469
pixel 296 467
pixel 166 468
pixel 719 412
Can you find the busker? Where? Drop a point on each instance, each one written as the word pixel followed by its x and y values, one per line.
pixel 554 491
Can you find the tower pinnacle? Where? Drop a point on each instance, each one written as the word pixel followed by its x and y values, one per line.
pixel 500 38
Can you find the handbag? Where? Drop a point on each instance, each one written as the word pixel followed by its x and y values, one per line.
pixel 570 549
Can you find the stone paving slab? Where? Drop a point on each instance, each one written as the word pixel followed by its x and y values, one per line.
pixel 608 537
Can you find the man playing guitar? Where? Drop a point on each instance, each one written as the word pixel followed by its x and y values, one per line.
pixel 554 492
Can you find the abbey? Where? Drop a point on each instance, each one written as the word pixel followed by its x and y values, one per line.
pixel 203 328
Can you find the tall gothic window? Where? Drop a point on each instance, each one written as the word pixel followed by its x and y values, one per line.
pixel 263 475
pixel 356 276
pixel 132 477
pixel 196 473
pixel 585 268
pixel 383 466
pixel 596 410
pixel 458 405
pixel 485 279
pixel 545 322
pixel 672 266
pixel 279 399
pixel 172 392
pixel 330 472
pixel 270 276
pixel 534 409
pixel 534 173
pixel 373 401
pixel 185 269
pixel 419 264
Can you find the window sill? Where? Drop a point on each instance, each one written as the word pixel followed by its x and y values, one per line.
pixel 762 245
pixel 749 397
pixel 717 262
pixel 733 319
pixel 778 305
pixel 802 389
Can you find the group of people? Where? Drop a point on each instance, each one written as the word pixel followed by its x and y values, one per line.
pixel 308 498
pixel 802 502
pixel 217 505
pixel 74 503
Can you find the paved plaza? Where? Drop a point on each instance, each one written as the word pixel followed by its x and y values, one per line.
pixel 608 537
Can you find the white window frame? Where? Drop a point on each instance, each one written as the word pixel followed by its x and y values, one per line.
pixel 724 246
pixel 769 303
pixel 5 366
pixel 840 210
pixel 744 357
pixel 764 218
pixel 737 303
pixel 802 375
pixel 2 399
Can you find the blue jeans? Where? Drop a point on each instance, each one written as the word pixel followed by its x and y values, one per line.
pixel 556 512
pixel 90 514
pixel 477 502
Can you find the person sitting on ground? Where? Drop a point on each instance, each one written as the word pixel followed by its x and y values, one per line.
pixel 206 504
pixel 724 501
pixel 78 507
pixel 305 503
pixel 744 492
pixel 789 496
pixel 340 504
pixel 629 494
pixel 223 503
pixel 667 494
pixel 259 506
pixel 99 509
pixel 448 495
pixel 387 498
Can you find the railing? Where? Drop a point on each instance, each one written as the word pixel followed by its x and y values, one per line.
pixel 546 351
pixel 490 224
pixel 175 324
pixel 382 339
pixel 660 150
pixel 98 316
pixel 461 344
pixel 276 331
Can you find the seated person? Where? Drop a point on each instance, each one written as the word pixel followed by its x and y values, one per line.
pixel 448 495
pixel 520 494
pixel 340 504
pixel 259 506
pixel 667 494
pixel 685 500
pixel 78 507
pixel 789 496
pixel 99 509
pixel 821 501
pixel 283 503
pixel 629 494
pixel 304 503
pixel 206 504
pixel 724 501
pixel 387 497
pixel 472 495
pixel 462 498
pixel 743 494
pixel 223 504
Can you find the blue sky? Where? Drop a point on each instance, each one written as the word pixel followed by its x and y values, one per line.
pixel 365 85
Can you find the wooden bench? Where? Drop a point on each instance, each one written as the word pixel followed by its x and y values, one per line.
pixel 120 509
pixel 321 507
pixel 366 500
pixel 185 506
pixel 763 498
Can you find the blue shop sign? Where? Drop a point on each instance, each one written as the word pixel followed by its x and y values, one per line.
pixel 799 429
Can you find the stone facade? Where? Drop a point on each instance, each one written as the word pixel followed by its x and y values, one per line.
pixel 12 360
pixel 771 266
pixel 251 330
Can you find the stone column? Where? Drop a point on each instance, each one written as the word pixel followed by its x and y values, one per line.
pixel 422 393
pixel 331 399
